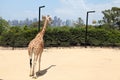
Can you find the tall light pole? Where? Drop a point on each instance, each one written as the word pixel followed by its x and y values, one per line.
pixel 39 17
pixel 86 31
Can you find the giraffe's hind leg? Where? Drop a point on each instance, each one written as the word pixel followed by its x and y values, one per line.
pixel 40 60
pixel 30 58
pixel 31 72
pixel 34 66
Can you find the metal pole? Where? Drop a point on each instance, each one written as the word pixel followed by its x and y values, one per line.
pixel 86 30
pixel 39 17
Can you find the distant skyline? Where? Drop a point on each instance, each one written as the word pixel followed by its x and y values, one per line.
pixel 57 22
pixel 65 9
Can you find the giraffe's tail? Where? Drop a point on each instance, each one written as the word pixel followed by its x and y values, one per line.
pixel 30 51
pixel 30 62
pixel 30 57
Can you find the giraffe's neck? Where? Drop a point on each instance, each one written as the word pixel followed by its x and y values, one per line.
pixel 42 32
pixel 44 27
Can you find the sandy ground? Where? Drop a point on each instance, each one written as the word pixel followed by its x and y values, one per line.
pixel 63 64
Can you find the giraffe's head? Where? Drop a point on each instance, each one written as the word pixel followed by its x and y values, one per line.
pixel 48 18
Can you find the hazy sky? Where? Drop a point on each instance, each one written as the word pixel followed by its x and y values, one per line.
pixel 65 9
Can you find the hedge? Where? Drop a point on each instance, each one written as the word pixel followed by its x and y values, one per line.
pixel 61 36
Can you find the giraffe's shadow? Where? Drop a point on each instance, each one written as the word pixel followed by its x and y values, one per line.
pixel 43 72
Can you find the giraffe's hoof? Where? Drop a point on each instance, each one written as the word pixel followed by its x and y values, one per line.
pixel 31 75
pixel 34 77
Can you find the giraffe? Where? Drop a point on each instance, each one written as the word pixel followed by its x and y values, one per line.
pixel 36 46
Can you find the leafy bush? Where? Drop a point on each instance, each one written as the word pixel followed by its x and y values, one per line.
pixel 61 36
pixel 17 37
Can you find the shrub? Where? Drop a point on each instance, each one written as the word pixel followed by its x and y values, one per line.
pixel 61 36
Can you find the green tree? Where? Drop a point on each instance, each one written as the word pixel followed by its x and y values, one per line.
pixel 100 22
pixel 79 22
pixel 35 25
pixel 112 17
pixel 3 25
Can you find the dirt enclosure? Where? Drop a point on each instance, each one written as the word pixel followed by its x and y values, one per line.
pixel 63 64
